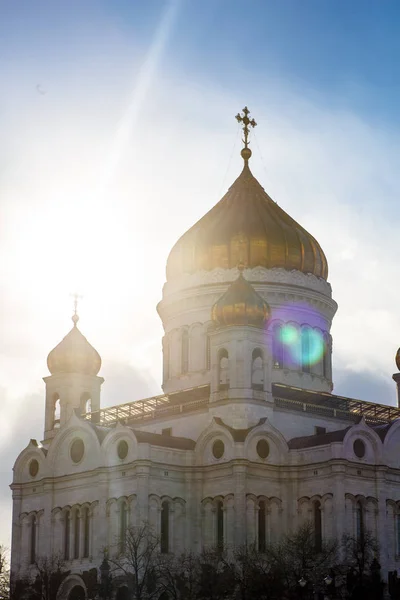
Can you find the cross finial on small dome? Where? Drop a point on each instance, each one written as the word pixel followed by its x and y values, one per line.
pixel 244 118
pixel 75 316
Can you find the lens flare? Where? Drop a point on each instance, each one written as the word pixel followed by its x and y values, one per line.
pixel 289 335
pixel 297 346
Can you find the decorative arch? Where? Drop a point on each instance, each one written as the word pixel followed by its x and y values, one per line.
pixel 223 369
pixel 257 369
pixel 306 341
pixel 326 358
pixel 184 351
pixel 166 357
pixel 67 586
pixel 56 409
pixel 86 403
pixel 277 345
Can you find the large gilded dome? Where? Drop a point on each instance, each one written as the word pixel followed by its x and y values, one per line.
pixel 246 226
pixel 74 354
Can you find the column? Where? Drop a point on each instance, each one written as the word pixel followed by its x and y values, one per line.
pixel 339 502
pixel 239 478
pixel 142 474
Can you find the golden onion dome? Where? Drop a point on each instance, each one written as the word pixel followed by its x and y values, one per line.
pixel 397 359
pixel 74 354
pixel 240 305
pixel 246 226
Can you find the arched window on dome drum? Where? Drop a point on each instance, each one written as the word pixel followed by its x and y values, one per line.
pixel 326 360
pixel 56 410
pixel 360 527
pixel 86 403
pixel 86 525
pixel 257 370
pixel 185 351
pixel 261 526
pixel 220 525
pixel 223 369
pixel 208 350
pixel 77 531
pixel 67 530
pixel 277 346
pixel 165 527
pixel 165 359
pixel 305 349
pixel 32 553
pixel 317 525
pixel 123 519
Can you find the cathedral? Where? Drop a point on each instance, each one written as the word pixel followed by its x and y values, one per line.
pixel 248 440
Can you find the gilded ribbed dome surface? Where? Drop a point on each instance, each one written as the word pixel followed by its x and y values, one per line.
pixel 74 354
pixel 240 305
pixel 246 226
pixel 397 359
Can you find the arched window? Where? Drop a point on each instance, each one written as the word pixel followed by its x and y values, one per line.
pixel 86 403
pixel 261 526
pixel 67 530
pixel 56 410
pixel 223 370
pixel 257 370
pixel 220 525
pixel 122 527
pixel 317 525
pixel 86 525
pixel 326 360
pixel 77 531
pixel 33 541
pixel 208 350
pixel 277 346
pixel 360 528
pixel 165 527
pixel 305 349
pixel 165 359
pixel 185 351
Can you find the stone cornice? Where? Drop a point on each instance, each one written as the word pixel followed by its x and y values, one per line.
pixel 255 275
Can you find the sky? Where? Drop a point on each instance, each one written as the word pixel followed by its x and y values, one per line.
pixel 118 133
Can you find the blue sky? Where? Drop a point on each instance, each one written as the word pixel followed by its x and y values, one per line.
pixel 336 48
pixel 131 137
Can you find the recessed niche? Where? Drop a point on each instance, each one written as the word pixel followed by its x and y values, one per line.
pixel 262 448
pixel 33 468
pixel 218 448
pixel 122 449
pixel 359 448
pixel 77 450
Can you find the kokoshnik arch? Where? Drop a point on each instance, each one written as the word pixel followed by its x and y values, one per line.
pixel 248 440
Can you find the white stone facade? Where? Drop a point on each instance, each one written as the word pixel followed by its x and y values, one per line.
pixel 230 455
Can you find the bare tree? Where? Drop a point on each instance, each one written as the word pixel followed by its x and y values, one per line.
pixel 4 574
pixel 179 576
pixel 255 576
pixel 50 572
pixel 297 556
pixel 361 555
pixel 138 558
pixel 44 579
pixel 216 576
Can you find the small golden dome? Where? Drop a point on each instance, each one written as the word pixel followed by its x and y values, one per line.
pixel 397 359
pixel 246 226
pixel 241 305
pixel 74 354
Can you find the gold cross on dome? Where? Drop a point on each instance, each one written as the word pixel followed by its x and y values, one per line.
pixel 76 298
pixel 244 118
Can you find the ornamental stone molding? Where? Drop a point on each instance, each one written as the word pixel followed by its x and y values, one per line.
pixel 256 275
